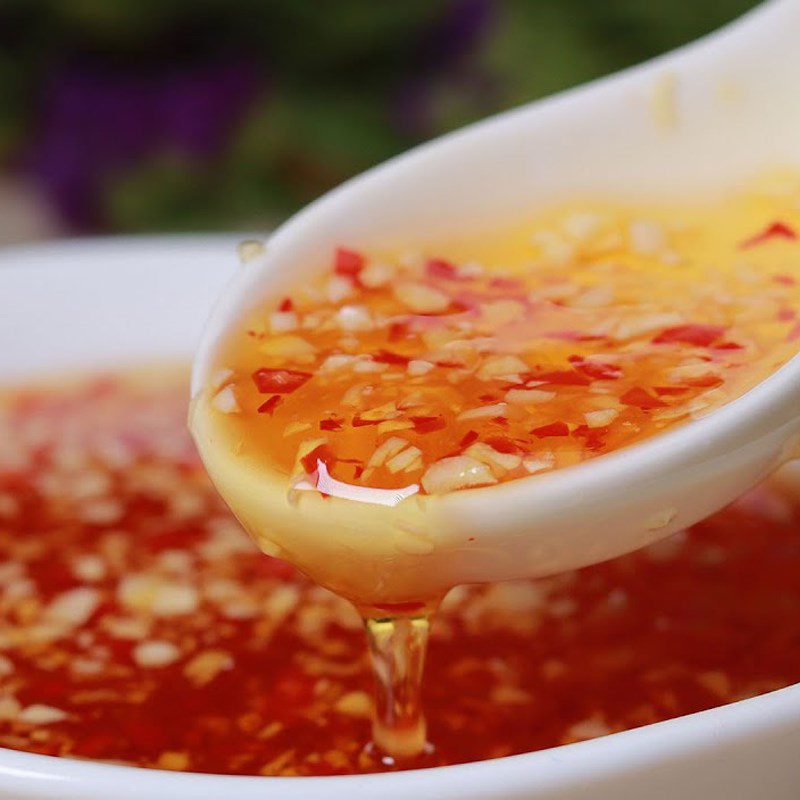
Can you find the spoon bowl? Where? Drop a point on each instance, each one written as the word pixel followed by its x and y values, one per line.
pixel 704 119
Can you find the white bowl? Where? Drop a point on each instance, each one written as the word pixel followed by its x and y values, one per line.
pixel 114 302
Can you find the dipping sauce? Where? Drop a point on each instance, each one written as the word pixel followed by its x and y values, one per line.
pixel 341 415
pixel 514 353
pixel 139 624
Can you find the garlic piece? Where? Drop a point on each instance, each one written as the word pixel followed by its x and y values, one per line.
pixel 421 298
pixel 601 417
pixel 456 472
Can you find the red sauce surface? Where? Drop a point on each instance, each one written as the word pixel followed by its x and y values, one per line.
pixel 138 624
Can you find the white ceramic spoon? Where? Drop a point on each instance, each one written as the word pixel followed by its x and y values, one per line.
pixel 702 119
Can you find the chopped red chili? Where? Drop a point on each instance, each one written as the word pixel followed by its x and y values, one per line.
pixel 553 429
pixel 388 357
pixel 280 381
pixel 596 369
pixel 470 437
pixel 330 424
pixel 439 268
pixel 348 262
pixel 777 230
pixel 641 399
pixel 594 438
pixel 269 406
pixel 360 422
pixel 728 346
pixel 322 452
pixel 397 330
pixel 505 283
pixel 502 444
pixel 573 336
pixel 668 391
pixel 428 424
pixel 700 335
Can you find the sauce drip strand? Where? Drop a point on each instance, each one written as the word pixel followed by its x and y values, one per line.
pixel 342 407
pixel 397 647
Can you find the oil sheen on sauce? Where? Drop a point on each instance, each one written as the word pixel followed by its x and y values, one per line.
pixel 342 413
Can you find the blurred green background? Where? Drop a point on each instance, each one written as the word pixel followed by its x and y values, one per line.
pixel 153 115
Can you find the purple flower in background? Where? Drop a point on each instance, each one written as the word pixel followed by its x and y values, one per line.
pixel 445 51
pixel 458 33
pixel 95 124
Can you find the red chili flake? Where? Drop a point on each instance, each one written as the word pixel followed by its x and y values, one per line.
pixel 502 444
pixel 428 424
pixel 487 398
pixel 323 453
pixel 457 307
pixel 505 283
pixel 592 437
pixel 330 424
pixel 777 230
pixel 280 381
pixel 786 315
pixel 669 390
pixel 347 262
pixel 500 421
pixel 552 429
pixel 286 304
pixel 358 471
pixel 729 346
pixel 566 377
pixel 398 330
pixel 573 336
pixel 705 381
pixel 358 422
pixel 785 280
pixel 448 364
pixel 400 608
pixel 468 438
pixel 268 406
pixel 388 357
pixel 439 268
pixel 641 399
pixel 596 369
pixel 700 335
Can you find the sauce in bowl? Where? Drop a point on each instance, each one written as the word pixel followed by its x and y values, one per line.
pixel 140 625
